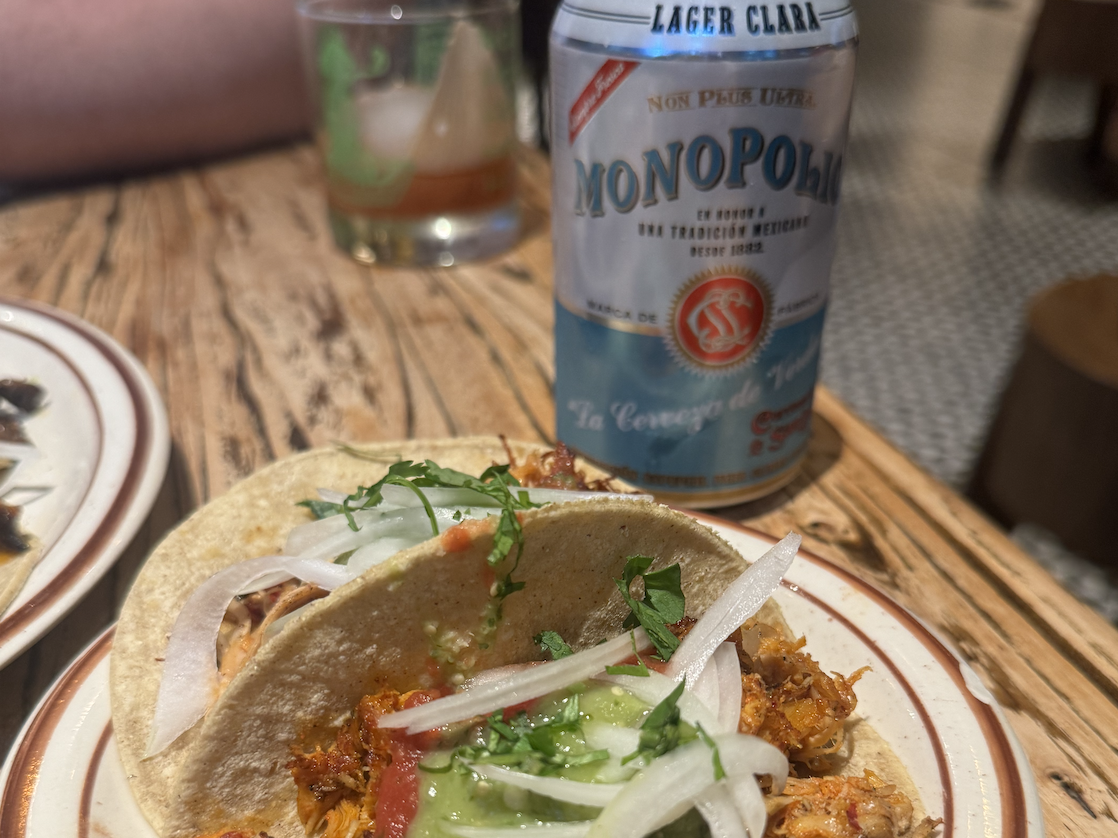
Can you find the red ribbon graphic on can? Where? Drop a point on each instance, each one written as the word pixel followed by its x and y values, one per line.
pixel 601 86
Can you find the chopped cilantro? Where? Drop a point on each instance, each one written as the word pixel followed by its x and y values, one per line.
pixel 321 508
pixel 344 558
pixel 662 729
pixel 662 605
pixel 638 669
pixel 495 483
pixel 531 747
pixel 551 642
pixel 715 757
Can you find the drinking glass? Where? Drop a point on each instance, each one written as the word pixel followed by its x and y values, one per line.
pixel 416 123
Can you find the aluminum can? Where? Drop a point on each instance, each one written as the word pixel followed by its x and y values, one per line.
pixel 697 154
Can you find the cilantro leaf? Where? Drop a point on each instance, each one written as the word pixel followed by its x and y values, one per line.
pixel 661 730
pixel 551 642
pixel 715 756
pixel 663 602
pixel 495 483
pixel 321 508
pixel 532 747
pixel 638 669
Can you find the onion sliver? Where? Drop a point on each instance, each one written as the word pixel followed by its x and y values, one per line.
pixel 728 672
pixel 619 741
pixel 440 496
pixel 658 794
pixel 566 495
pixel 656 687
pixel 554 829
pixel 557 788
pixel 750 804
pixel 378 551
pixel 517 688
pixel 330 537
pixel 673 783
pixel 743 758
pixel 746 756
pixel 189 683
pixel 740 601
pixel 437 496
pixel 716 805
pixel 719 688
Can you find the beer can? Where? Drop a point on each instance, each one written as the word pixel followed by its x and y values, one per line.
pixel 697 155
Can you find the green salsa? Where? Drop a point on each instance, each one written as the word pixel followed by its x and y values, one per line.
pixel 450 792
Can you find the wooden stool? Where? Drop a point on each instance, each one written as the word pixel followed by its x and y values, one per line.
pixel 1051 457
pixel 1077 37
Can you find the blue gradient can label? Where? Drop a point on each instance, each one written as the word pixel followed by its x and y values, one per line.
pixel 697 157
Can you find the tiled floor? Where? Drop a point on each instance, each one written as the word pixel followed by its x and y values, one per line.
pixel 935 265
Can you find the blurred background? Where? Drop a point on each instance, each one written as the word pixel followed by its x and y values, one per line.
pixel 939 251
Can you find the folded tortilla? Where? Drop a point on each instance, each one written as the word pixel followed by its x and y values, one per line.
pixel 251 519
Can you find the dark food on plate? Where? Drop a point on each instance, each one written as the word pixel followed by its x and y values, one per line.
pixel 18 551
pixel 11 541
pixel 22 395
pixel 18 400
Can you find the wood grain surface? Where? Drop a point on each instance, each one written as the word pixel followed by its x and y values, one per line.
pixel 265 340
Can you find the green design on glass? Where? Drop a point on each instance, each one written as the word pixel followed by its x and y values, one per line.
pixel 345 155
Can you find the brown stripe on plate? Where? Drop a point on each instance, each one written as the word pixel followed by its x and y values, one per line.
pixel 27 758
pixel 85 814
pixel 141 452
pixel 1010 783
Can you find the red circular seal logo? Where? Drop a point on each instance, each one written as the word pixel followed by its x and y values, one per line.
pixel 719 318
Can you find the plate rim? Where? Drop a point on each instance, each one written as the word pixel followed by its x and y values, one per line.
pixel 18 786
pixel 148 462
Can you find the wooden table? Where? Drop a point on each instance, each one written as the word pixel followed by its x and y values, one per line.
pixel 265 340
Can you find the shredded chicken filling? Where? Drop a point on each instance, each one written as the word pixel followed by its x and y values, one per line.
pixel 788 701
pixel 246 622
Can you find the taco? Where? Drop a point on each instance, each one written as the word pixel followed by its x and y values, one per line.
pixel 300 740
pixel 254 519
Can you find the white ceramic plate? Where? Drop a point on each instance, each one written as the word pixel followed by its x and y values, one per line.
pixel 63 779
pixel 103 446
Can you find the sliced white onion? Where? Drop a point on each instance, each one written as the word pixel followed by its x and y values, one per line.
pixel 567 495
pixel 309 535
pixel 719 688
pixel 437 496
pixel 748 756
pixel 619 742
pixel 716 805
pixel 332 496
pixel 557 788
pixel 749 803
pixel 743 758
pixel 498 673
pixel 603 736
pixel 706 689
pixel 330 537
pixel 517 688
pixel 189 683
pixel 725 661
pixel 656 687
pixel 675 782
pixel 658 794
pixel 378 551
pixel 740 601
pixel 555 829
